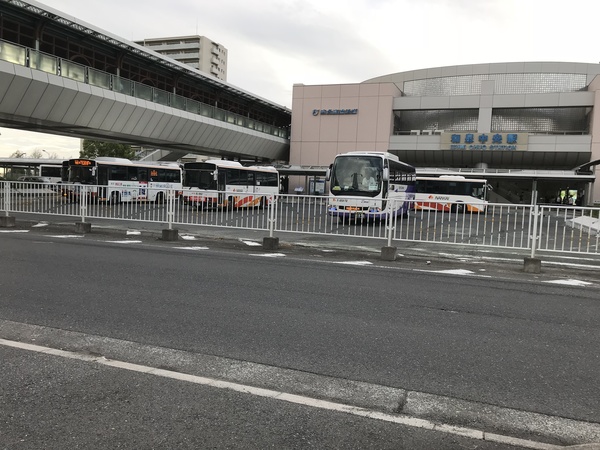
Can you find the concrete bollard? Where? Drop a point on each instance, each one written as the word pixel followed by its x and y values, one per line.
pixel 270 243
pixel 170 235
pixel 83 227
pixel 7 222
pixel 388 253
pixel 532 265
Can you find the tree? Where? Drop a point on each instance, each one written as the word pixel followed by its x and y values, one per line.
pixel 18 154
pixel 37 153
pixel 93 149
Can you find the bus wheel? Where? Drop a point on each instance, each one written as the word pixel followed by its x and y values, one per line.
pixel 115 198
pixel 160 198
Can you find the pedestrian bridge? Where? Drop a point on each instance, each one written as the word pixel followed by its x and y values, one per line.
pixel 43 93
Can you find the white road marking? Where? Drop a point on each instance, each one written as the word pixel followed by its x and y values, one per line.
pixel 125 242
pixel 67 236
pixel 41 224
pixel 454 271
pixel 268 255
pixel 250 243
pixel 569 282
pixel 192 248
pixel 186 237
pixel 399 419
pixel 354 263
pixel 133 232
pixel 14 231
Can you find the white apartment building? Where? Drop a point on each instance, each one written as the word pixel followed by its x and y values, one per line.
pixel 198 52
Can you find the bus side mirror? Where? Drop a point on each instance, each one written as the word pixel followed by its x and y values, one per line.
pixel 386 174
pixel 215 175
pixel 328 173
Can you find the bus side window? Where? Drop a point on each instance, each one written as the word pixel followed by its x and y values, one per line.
pixel 142 174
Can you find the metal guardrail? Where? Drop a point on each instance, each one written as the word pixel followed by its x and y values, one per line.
pixel 556 228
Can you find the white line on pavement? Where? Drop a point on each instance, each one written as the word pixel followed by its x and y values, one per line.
pixel 290 398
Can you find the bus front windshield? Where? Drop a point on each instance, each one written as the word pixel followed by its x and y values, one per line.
pixel 82 174
pixel 357 175
pixel 201 179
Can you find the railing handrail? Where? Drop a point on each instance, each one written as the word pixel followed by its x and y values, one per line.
pixel 173 100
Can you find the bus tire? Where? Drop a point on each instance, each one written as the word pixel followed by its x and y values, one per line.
pixel 115 198
pixel 160 198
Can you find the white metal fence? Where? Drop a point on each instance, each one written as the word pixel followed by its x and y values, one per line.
pixel 557 228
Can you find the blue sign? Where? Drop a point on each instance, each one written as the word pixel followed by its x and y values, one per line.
pixel 486 141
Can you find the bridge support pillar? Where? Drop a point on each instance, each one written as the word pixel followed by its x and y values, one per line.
pixel 7 222
pixel 270 243
pixel 83 227
pixel 388 253
pixel 170 234
pixel 532 265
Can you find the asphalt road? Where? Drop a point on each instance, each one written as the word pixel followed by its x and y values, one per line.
pixel 466 343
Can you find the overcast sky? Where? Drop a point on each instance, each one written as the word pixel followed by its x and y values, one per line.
pixel 273 44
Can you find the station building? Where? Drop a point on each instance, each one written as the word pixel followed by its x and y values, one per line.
pixel 528 117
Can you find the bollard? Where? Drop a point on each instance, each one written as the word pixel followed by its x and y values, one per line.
pixel 170 234
pixel 388 253
pixel 270 243
pixel 532 265
pixel 7 222
pixel 83 227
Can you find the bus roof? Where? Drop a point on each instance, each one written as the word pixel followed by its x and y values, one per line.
pixel 387 155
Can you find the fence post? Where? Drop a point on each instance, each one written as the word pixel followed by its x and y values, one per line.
pixel 6 221
pixel 533 264
pixel 271 242
pixel 83 227
pixel 388 253
pixel 170 234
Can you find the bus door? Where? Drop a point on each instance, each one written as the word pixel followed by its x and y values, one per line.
pixel 142 191
pixel 221 185
pixel 102 182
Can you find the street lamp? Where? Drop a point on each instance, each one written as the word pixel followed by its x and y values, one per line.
pixel 46 153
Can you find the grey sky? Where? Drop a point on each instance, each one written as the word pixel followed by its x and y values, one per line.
pixel 273 44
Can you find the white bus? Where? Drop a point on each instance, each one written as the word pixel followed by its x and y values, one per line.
pixel 50 173
pixel 451 193
pixel 121 180
pixel 221 183
pixel 363 183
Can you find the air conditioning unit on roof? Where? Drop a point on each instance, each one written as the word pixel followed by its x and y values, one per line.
pixel 415 132
pixel 427 132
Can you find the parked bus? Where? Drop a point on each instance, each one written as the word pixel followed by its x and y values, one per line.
pixel 221 183
pixel 121 180
pixel 363 183
pixel 14 168
pixel 51 173
pixel 451 193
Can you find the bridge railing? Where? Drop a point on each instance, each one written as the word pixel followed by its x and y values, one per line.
pixel 539 228
pixel 38 60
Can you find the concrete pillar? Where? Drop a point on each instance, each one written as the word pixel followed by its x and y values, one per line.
pixel 7 222
pixel 83 227
pixel 170 235
pixel 388 253
pixel 270 243
pixel 532 265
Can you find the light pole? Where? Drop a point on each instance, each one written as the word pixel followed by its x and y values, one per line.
pixel 46 153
